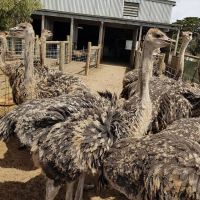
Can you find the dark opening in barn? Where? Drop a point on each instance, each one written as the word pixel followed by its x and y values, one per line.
pixel 60 30
pixel 115 48
pixel 37 24
pixel 87 33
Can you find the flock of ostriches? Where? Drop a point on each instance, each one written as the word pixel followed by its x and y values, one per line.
pixel 145 144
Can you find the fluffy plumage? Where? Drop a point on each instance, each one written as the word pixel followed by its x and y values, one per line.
pixel 161 166
pixel 31 82
pixel 172 100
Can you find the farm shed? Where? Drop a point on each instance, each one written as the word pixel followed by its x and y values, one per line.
pixel 117 25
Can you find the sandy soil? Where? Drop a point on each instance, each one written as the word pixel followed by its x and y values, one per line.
pixel 19 180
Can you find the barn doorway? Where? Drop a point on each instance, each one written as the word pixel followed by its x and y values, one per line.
pixel 61 30
pixel 87 33
pixel 115 45
pixel 36 25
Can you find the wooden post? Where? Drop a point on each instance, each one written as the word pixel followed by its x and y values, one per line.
pixel 68 49
pixel 161 64
pixel 42 23
pixel 101 33
pixel 199 70
pixel 99 56
pixel 132 56
pixel 13 45
pixel 177 39
pixel 71 38
pixel 62 56
pixel 87 66
pixel 100 43
pixel 140 38
pixel 138 55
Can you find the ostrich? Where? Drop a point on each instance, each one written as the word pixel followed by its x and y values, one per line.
pixel 70 143
pixel 171 99
pixel 27 83
pixel 161 166
pixel 186 39
pixel 130 79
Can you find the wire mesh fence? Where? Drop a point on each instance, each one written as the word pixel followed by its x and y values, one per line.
pixel 6 102
pixel 16 48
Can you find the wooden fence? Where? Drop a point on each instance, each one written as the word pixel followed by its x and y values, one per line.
pixel 93 57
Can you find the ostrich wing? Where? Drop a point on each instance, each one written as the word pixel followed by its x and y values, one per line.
pixel 42 113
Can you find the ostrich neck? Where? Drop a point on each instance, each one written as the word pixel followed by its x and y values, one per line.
pixel 42 50
pixel 28 57
pixel 4 48
pixel 143 116
pixel 182 54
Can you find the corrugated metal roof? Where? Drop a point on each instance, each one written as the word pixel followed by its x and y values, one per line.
pixel 149 10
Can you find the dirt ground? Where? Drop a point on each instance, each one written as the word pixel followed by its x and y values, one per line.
pixel 19 180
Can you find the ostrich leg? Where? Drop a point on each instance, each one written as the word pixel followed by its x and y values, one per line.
pixel 51 190
pixel 79 191
pixel 69 191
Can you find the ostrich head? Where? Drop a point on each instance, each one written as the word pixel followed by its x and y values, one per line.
pixel 46 33
pixel 3 34
pixel 155 38
pixel 22 30
pixel 186 36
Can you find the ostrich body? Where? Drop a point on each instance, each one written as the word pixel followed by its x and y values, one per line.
pixel 161 166
pixel 68 147
pixel 186 39
pixel 29 82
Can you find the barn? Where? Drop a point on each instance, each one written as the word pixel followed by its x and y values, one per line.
pixel 117 25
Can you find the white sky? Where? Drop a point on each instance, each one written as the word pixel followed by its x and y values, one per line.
pixel 186 8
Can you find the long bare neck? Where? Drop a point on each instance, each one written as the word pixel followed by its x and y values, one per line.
pixel 42 49
pixel 28 57
pixel 144 110
pixel 180 66
pixel 3 66
pixel 4 48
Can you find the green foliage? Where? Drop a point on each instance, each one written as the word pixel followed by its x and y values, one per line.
pixel 192 24
pixel 16 11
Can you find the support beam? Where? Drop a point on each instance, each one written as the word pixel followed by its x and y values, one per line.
pixel 71 38
pixel 140 37
pixel 101 33
pixel 177 39
pixel 101 41
pixel 132 56
pixel 42 23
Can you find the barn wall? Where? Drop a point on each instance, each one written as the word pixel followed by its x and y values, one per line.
pixel 149 10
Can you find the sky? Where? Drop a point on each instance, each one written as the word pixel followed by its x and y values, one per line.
pixel 186 8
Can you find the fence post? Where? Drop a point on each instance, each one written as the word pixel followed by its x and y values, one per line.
pixel 138 55
pixel 62 56
pixel 198 70
pixel 68 49
pixel 88 59
pixel 98 56
pixel 13 45
pixel 161 64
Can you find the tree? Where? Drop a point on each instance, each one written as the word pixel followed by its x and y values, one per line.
pixel 192 24
pixel 16 11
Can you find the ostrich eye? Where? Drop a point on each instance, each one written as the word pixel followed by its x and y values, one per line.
pixel 158 35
